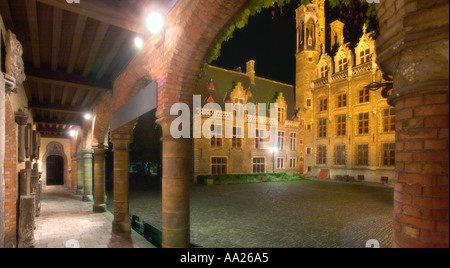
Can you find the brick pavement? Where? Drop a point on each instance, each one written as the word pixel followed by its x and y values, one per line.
pixel 64 217
pixel 304 214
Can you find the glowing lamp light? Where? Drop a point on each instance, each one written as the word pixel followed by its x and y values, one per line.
pixel 88 116
pixel 72 133
pixel 138 42
pixel 274 149
pixel 155 22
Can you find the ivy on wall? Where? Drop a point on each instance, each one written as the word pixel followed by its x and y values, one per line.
pixel 255 7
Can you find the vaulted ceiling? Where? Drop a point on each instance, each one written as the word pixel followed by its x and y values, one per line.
pixel 73 52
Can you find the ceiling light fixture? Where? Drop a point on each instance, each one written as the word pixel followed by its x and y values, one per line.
pixel 72 133
pixel 138 42
pixel 155 22
pixel 88 116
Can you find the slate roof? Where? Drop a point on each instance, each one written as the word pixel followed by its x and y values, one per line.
pixel 261 92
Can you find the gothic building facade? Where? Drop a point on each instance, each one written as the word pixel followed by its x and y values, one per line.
pixel 243 154
pixel 347 129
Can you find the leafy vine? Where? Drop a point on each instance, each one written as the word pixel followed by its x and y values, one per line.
pixel 256 6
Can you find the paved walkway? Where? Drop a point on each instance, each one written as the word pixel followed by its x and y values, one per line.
pixel 65 221
pixel 303 214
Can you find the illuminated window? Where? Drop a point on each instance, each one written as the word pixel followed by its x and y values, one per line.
pixel 362 155
pixel 323 105
pixel 259 139
pixel 389 120
pixel 342 101
pixel 216 138
pixel 280 140
pixel 259 165
pixel 363 123
pixel 237 137
pixel 343 64
pixel 218 165
pixel 280 163
pixel 281 115
pixel 341 125
pixel 322 128
pixel 321 155
pixel 293 163
pixel 364 55
pixel 364 95
pixel 324 71
pixel 293 141
pixel 388 155
pixel 340 155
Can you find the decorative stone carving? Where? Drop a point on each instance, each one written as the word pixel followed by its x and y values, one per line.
pixel 21 119
pixel 14 62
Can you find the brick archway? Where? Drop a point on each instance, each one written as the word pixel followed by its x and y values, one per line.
pixel 192 26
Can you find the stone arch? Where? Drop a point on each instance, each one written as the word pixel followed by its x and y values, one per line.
pixel 54 148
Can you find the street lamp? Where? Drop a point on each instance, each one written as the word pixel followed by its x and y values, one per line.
pixel 274 150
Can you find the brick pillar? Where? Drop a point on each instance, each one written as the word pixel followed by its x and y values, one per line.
pixel 80 174
pixel 87 175
pixel 413 48
pixel 176 162
pixel 121 144
pixel 99 179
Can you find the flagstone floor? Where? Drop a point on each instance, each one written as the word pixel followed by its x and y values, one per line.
pixel 66 222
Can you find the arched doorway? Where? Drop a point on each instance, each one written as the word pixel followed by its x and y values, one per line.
pixel 55 170
pixel 54 164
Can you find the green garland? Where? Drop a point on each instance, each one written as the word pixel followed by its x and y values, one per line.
pixel 255 7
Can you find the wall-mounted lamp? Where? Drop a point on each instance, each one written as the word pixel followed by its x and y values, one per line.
pixel 87 116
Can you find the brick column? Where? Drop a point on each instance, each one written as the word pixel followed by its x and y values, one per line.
pixel 80 175
pixel 413 48
pixel 99 179
pixel 121 147
pixel 176 162
pixel 87 175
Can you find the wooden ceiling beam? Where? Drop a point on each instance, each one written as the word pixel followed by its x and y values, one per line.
pixel 40 120
pixel 76 42
pixel 57 108
pixel 99 37
pixel 112 53
pixel 56 38
pixel 34 31
pixel 101 12
pixel 64 79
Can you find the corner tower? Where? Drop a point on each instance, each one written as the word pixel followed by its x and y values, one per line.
pixel 310 41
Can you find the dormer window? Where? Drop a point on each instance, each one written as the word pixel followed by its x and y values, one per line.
pixel 324 71
pixel 343 64
pixel 281 115
pixel 364 55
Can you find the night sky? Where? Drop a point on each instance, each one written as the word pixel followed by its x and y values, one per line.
pixel 271 42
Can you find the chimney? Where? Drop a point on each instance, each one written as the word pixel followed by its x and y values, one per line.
pixel 251 71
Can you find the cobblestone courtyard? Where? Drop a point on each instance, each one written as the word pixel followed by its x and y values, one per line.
pixel 314 214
